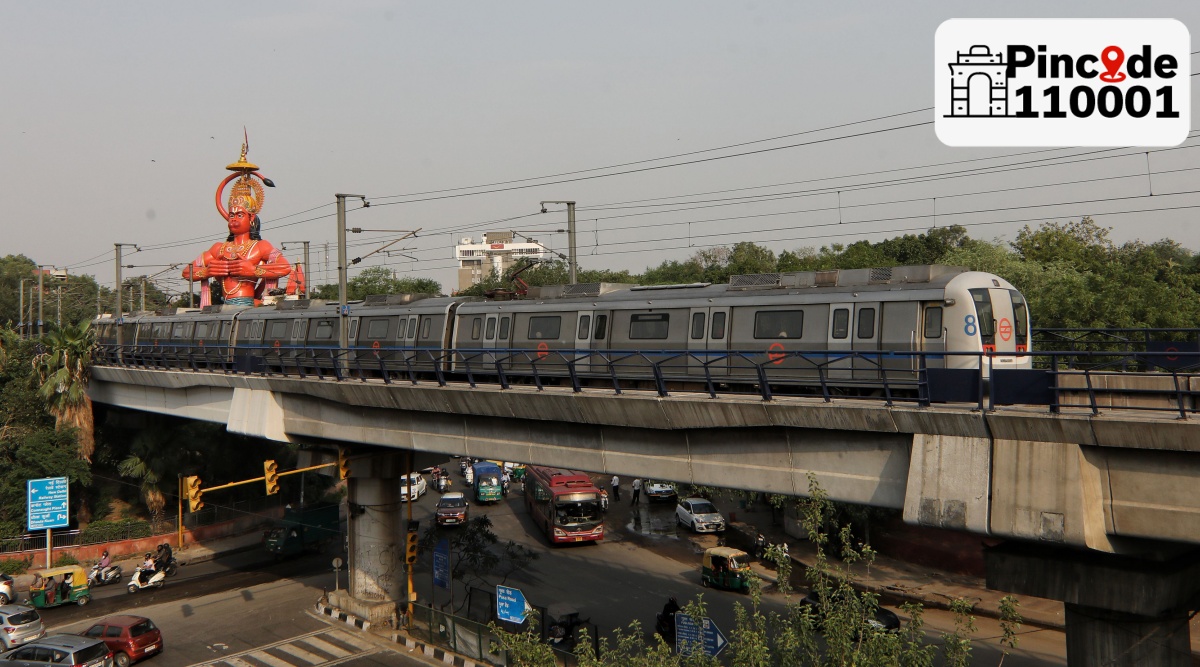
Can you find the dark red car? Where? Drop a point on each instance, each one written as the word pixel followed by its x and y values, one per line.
pixel 130 638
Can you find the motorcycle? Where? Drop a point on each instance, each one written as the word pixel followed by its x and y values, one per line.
pixel 442 482
pixel 760 546
pixel 169 568
pixel 109 575
pixel 664 621
pixel 137 582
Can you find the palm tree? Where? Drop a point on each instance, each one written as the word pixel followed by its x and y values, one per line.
pixel 62 370
pixel 143 469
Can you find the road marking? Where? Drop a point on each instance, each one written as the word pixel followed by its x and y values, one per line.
pixel 298 652
pixel 329 647
pixel 331 641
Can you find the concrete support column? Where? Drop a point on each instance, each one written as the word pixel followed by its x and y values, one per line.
pixel 1120 610
pixel 376 557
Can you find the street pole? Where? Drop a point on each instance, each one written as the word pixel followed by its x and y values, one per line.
pixel 21 309
pixel 306 271
pixel 343 305
pixel 180 494
pixel 572 255
pixel 191 277
pixel 143 308
pixel 408 476
pixel 117 315
pixel 41 274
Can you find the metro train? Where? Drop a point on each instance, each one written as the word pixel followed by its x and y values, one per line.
pixel 849 328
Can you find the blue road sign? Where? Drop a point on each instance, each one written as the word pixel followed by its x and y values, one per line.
pixel 441 564
pixel 511 605
pixel 689 634
pixel 47 503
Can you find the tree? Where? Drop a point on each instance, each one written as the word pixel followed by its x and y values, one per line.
pixel 477 551
pixel 63 370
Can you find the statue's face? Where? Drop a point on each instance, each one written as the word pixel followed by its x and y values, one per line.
pixel 239 220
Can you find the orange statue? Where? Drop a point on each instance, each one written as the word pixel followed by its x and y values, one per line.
pixel 244 264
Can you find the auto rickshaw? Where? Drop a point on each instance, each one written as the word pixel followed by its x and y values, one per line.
pixel 726 567
pixel 56 586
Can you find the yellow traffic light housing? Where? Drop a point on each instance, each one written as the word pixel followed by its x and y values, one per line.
pixel 410 547
pixel 343 464
pixel 191 488
pixel 271 477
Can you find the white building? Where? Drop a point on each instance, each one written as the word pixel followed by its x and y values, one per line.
pixel 495 250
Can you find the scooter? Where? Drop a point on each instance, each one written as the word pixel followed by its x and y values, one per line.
pixel 109 575
pixel 136 582
pixel 442 482
pixel 169 568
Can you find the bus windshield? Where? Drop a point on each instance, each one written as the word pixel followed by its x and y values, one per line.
pixel 578 510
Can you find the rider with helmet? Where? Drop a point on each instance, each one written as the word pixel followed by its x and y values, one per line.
pixel 147 568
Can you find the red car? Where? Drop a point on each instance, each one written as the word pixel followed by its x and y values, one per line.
pixel 130 638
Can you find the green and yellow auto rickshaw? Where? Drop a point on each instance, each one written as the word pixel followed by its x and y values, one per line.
pixel 726 567
pixel 56 586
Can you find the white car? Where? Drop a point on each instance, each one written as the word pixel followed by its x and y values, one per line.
pixel 419 487
pixel 700 515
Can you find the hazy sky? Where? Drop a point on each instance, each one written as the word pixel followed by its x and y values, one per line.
pixel 119 118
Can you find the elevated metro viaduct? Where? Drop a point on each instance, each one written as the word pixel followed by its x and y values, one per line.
pixel 1101 509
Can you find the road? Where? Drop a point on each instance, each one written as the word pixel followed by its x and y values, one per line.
pixel 244 610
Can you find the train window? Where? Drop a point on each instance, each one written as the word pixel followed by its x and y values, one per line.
pixel 226 327
pixel 649 326
pixel 983 309
pixel 779 324
pixel 412 327
pixel 202 330
pixel 585 325
pixel 476 327
pixel 504 321
pixel 601 327
pixel 866 322
pixel 159 330
pixel 320 330
pixel 544 327
pixel 177 330
pixel 841 323
pixel 718 326
pixel 933 322
pixel 1021 315
pixel 425 327
pixel 278 330
pixel 697 326
pixel 377 328
pixel 353 329
pixel 490 332
pixel 256 331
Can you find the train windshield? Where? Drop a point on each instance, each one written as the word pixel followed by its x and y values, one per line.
pixel 1021 315
pixel 985 317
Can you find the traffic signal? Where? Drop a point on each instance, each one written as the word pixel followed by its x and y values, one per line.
pixel 343 464
pixel 191 488
pixel 271 476
pixel 410 547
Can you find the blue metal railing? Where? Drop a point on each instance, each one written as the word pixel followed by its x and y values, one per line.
pixel 1057 379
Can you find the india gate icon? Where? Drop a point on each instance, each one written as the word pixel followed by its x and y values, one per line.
pixel 979 86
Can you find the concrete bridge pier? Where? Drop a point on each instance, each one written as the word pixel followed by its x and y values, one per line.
pixel 376 552
pixel 1120 610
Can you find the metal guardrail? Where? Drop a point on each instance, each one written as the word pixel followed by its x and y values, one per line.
pixel 898 376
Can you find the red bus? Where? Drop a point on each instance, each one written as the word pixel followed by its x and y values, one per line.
pixel 564 504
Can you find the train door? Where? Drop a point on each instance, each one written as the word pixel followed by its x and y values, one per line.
pixel 841 324
pixel 583 339
pixel 697 340
pixel 599 359
pixel 933 334
pixel 1005 326
pixel 898 333
pixel 865 334
pixel 490 324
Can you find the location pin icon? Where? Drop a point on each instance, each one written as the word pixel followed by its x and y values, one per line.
pixel 1112 57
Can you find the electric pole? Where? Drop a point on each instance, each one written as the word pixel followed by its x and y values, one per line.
pixel 572 263
pixel 119 292
pixel 343 306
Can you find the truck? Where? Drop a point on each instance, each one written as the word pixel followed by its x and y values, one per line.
pixel 488 487
pixel 306 529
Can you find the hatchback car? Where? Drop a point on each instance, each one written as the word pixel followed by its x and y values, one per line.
pixel 452 509
pixel 418 486
pixel 64 650
pixel 19 625
pixel 660 491
pixel 700 515
pixel 130 638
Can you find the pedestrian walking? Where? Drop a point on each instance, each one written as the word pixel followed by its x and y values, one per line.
pixel 616 488
pixel 637 490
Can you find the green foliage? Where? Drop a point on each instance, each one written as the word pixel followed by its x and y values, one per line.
pixel 113 531
pixel 15 566
pixel 377 280
pixel 65 559
pixel 478 553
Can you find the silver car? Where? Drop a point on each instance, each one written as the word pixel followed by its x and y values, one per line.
pixel 19 624
pixel 700 515
pixel 63 650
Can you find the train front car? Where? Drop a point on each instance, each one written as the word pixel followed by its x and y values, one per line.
pixel 986 320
